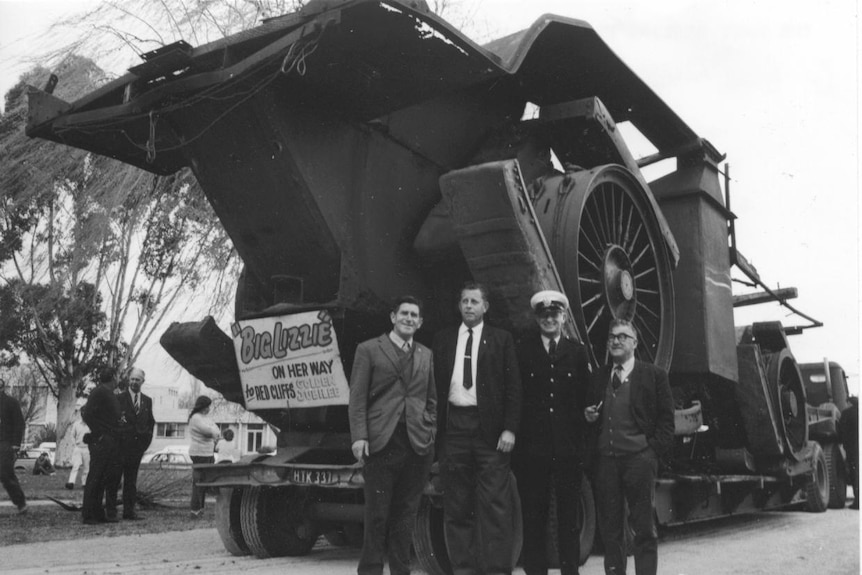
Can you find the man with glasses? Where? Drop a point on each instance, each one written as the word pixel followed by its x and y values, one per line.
pixel 630 412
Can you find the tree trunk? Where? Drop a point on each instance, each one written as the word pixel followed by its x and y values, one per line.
pixel 65 417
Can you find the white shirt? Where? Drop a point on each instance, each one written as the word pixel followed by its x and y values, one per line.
pixel 628 366
pixel 546 341
pixel 79 429
pixel 458 394
pixel 399 343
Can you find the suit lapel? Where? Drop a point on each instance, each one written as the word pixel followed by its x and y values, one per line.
pixel 635 382
pixel 480 354
pixel 418 359
pixel 564 347
pixel 449 350
pixel 388 350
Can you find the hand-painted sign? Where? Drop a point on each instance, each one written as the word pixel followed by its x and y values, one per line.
pixel 290 361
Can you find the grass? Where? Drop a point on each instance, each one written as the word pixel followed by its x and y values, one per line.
pixel 169 489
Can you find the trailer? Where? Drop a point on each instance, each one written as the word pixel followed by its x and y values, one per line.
pixel 357 150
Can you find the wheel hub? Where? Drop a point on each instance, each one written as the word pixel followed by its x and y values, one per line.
pixel 619 283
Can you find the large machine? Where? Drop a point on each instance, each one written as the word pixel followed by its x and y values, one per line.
pixel 358 150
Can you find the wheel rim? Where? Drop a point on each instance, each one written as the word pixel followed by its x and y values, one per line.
pixel 611 256
pixel 788 394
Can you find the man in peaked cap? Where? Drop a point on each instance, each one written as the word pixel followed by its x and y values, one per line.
pixel 554 376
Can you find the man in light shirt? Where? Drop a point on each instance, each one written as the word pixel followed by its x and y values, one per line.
pixel 81 453
pixel 479 411
pixel 393 415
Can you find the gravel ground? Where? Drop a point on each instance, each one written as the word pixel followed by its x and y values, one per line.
pixel 786 543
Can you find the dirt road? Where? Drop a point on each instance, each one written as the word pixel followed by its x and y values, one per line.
pixel 785 543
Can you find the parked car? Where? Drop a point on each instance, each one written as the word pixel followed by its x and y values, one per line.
pixel 168 458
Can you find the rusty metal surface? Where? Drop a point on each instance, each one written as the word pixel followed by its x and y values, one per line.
pixel 353 71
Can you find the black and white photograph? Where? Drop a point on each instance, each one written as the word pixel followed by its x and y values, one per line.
pixel 441 287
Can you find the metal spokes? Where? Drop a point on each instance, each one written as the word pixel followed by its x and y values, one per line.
pixel 619 274
pixel 612 259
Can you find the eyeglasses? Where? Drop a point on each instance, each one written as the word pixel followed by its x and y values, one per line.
pixel 620 337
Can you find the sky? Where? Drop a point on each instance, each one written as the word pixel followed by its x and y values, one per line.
pixel 772 84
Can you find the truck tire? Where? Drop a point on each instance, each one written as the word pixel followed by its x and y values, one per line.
pixel 817 487
pixel 275 522
pixel 429 539
pixel 587 516
pixel 347 535
pixel 228 524
pixel 837 479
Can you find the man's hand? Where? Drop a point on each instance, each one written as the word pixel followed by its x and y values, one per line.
pixel 360 449
pixel 591 413
pixel 506 442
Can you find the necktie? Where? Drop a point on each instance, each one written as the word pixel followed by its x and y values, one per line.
pixel 615 380
pixel 406 347
pixel 552 348
pixel 468 360
pixel 137 404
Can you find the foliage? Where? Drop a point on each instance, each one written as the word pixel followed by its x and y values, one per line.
pixel 157 487
pixel 45 433
pixel 56 327
pixel 26 385
pixel 114 32
pixel 94 254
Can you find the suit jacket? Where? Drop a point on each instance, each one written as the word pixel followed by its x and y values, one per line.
pixel 137 431
pixel 11 420
pixel 552 420
pixel 498 382
pixel 379 393
pixel 651 404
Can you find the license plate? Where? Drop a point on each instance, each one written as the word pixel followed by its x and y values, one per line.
pixel 312 477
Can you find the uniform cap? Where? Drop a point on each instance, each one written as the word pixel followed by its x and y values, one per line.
pixel 549 300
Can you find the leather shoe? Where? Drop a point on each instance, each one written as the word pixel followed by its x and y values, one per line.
pixel 132 518
pixel 111 520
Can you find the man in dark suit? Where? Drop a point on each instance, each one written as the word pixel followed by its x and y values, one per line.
pixel 555 374
pixel 479 411
pixel 848 431
pixel 393 422
pixel 630 409
pixel 11 434
pixel 102 416
pixel 136 434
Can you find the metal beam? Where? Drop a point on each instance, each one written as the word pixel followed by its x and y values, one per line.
pixel 776 295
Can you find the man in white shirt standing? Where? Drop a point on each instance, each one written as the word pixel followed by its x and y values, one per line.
pixel 81 453
pixel 478 414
